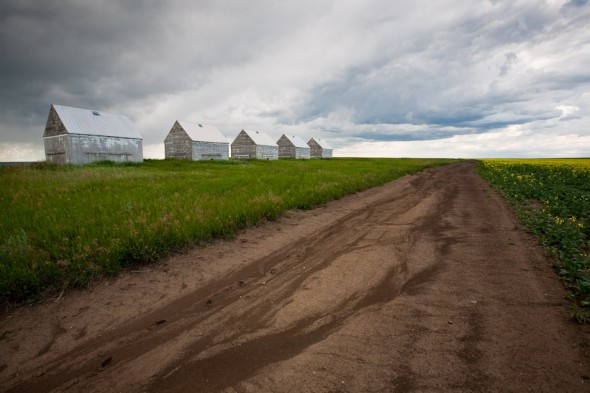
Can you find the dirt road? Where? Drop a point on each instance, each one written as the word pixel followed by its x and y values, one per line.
pixel 426 284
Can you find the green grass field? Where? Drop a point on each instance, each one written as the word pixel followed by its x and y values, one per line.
pixel 64 226
pixel 552 197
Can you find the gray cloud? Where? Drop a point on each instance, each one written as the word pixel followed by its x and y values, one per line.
pixel 572 4
pixel 510 60
pixel 443 80
pixel 373 70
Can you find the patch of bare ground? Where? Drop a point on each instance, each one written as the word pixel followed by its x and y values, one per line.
pixel 425 284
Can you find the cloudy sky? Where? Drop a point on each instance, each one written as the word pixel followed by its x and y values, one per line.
pixel 375 78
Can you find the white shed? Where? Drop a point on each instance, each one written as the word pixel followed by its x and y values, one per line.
pixel 80 136
pixel 254 145
pixel 319 148
pixel 292 146
pixel 194 141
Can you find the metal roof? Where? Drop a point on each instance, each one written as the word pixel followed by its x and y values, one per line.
pixel 323 144
pixel 203 132
pixel 93 122
pixel 260 138
pixel 296 141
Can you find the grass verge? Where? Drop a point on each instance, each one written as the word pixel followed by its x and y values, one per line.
pixel 68 225
pixel 552 198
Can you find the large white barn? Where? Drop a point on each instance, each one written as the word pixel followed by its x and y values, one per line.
pixel 80 136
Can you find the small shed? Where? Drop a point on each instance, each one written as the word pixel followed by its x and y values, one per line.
pixel 319 148
pixel 80 136
pixel 291 146
pixel 254 145
pixel 194 141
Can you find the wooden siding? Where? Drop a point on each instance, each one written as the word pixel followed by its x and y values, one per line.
pixel 288 150
pixel 267 152
pixel 84 149
pixel 54 125
pixel 243 147
pixel 302 152
pixel 210 151
pixel 317 151
pixel 178 145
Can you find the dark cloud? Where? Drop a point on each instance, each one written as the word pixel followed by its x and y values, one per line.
pixel 106 54
pixel 510 60
pixel 416 134
pixel 394 71
pixel 574 3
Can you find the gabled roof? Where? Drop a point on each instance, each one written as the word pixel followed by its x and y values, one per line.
pixel 296 141
pixel 260 138
pixel 202 132
pixel 92 122
pixel 323 144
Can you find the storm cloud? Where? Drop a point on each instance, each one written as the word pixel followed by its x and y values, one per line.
pixel 375 78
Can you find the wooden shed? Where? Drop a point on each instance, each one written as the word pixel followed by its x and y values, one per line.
pixel 194 141
pixel 80 136
pixel 254 145
pixel 291 146
pixel 319 148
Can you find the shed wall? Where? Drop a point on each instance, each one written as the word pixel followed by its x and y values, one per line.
pixel 56 148
pixel 178 145
pixel 243 147
pixel 316 151
pixel 294 152
pixel 84 149
pixel 54 125
pixel 267 152
pixel 210 151
pixel 302 152
pixel 286 148
pixel 287 151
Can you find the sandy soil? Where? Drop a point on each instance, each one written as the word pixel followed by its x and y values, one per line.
pixel 426 284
